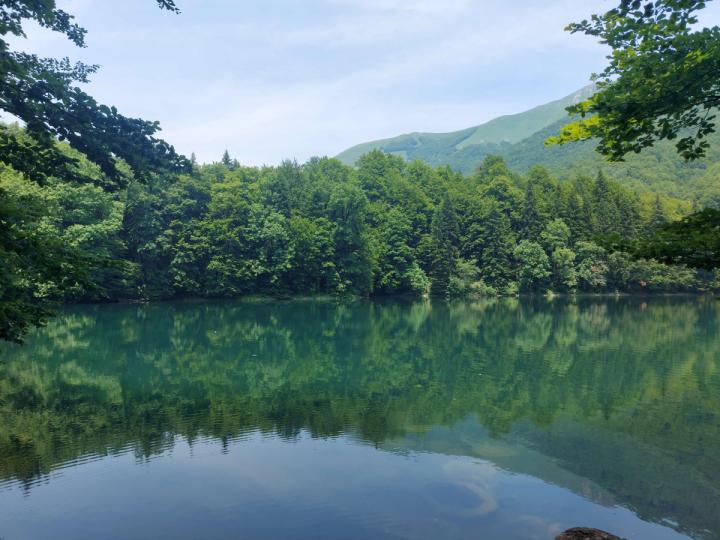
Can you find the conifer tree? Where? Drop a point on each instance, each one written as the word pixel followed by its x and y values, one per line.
pixel 445 234
pixel 657 218
pixel 606 216
pixel 498 245
pixel 531 221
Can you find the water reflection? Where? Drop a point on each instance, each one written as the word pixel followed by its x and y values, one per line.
pixel 617 401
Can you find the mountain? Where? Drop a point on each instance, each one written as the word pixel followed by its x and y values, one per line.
pixel 520 139
pixel 461 148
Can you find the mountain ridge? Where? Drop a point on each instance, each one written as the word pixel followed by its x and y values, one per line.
pixel 506 129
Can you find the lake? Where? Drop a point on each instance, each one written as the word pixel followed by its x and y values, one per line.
pixel 511 419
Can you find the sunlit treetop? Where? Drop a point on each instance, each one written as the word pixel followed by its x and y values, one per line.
pixel 661 82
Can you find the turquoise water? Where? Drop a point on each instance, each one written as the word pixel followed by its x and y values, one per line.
pixel 309 419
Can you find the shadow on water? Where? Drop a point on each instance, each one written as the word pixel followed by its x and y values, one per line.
pixel 615 399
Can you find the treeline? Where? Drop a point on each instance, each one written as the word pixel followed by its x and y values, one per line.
pixel 385 227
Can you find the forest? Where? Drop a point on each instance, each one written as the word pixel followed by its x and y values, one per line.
pixel 386 227
pixel 95 207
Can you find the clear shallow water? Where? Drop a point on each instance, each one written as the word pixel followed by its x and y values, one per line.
pixel 307 419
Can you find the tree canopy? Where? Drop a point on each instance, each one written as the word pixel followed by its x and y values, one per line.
pixel 694 241
pixel 661 82
pixel 67 135
pixel 321 227
pixel 93 207
pixel 42 92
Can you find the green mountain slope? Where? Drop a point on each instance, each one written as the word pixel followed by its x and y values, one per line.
pixel 516 127
pixel 520 139
pixel 461 149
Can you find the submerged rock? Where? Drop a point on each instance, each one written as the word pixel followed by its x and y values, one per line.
pixel 584 533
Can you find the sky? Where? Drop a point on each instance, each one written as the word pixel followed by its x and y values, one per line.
pixel 289 79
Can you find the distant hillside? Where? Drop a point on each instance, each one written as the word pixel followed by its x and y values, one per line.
pixel 461 149
pixel 657 169
pixel 520 139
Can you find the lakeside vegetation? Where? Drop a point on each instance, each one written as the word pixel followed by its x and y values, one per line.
pixel 94 206
pixel 385 227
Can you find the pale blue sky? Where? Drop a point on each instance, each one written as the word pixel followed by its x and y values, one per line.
pixel 275 79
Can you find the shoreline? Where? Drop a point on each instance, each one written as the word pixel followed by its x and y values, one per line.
pixel 260 298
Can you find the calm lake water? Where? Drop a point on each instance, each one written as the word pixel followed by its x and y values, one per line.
pixel 308 419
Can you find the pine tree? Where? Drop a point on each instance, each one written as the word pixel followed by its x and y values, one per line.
pixel 628 208
pixel 445 234
pixel 498 246
pixel 226 160
pixel 657 218
pixel 606 216
pixel 531 220
pixel 578 216
pixel 348 209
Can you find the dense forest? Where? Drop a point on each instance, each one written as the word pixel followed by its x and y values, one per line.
pixel 321 227
pixel 94 206
pixel 384 227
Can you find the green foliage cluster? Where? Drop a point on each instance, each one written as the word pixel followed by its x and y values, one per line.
pixel 43 93
pixel 57 241
pixel 656 170
pixel 694 241
pixel 385 228
pixel 660 84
